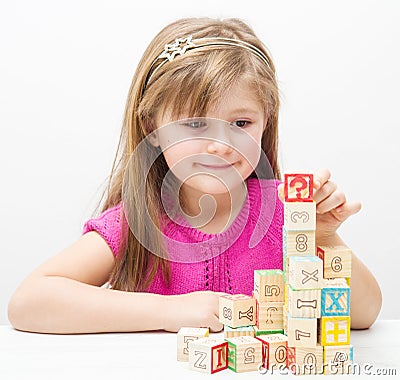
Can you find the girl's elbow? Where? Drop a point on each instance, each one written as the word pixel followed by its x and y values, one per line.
pixel 366 318
pixel 17 310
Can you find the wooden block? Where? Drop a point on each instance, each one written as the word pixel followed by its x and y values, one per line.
pixel 338 360
pixel 335 298
pixel 302 332
pixel 305 360
pixel 237 310
pixel 285 321
pixel 269 316
pixel 208 355
pixel 305 272
pixel 304 303
pixel 268 285
pixel 337 261
pixel 244 353
pixel 334 331
pixel 300 216
pixel 186 335
pixel 298 187
pixel 298 243
pixel 258 332
pixel 274 350
pixel 230 332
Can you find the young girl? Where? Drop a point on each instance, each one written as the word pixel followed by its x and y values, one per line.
pixel 193 205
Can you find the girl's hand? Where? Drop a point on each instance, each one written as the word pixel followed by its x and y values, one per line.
pixel 197 309
pixel 332 206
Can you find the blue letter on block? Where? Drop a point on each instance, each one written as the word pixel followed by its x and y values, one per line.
pixel 335 301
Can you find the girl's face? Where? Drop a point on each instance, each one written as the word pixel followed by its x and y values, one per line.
pixel 214 154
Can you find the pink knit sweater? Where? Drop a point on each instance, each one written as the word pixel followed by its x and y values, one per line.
pixel 253 241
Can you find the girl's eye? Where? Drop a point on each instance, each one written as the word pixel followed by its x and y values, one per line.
pixel 195 124
pixel 240 123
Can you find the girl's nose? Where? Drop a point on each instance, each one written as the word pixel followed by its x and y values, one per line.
pixel 220 141
pixel 219 147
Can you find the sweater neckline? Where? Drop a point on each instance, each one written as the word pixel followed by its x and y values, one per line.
pixel 229 235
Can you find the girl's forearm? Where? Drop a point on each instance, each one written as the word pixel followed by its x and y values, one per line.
pixel 60 305
pixel 365 293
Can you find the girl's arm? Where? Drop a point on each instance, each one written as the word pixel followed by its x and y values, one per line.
pixel 365 293
pixel 64 296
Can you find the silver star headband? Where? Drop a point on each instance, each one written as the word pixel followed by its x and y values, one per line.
pixel 182 45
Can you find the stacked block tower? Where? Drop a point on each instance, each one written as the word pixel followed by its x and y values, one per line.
pixel 317 293
pixel 297 318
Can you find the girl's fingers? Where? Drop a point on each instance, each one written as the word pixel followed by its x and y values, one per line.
pixel 344 211
pixel 281 192
pixel 336 199
pixel 321 176
pixel 325 191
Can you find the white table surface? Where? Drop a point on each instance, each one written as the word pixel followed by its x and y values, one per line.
pixel 152 355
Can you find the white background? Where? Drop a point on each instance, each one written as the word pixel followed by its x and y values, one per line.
pixel 65 70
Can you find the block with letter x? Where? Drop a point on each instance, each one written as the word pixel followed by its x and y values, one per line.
pixel 335 298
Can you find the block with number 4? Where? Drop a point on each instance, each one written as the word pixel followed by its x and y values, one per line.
pixel 208 355
pixel 237 310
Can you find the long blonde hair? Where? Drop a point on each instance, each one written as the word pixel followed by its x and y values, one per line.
pixel 202 76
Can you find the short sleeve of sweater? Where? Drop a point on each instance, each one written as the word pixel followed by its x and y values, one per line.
pixel 109 226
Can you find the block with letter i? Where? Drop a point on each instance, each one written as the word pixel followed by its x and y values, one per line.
pixel 237 310
pixel 244 353
pixel 208 355
pixel 186 335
